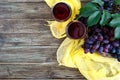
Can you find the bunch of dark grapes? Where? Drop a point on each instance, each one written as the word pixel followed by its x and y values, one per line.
pixel 100 39
pixel 108 4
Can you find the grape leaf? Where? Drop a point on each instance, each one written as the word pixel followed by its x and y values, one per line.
pixel 116 15
pixel 88 9
pixel 94 18
pixel 100 2
pixel 115 22
pixel 117 33
pixel 105 18
pixel 117 2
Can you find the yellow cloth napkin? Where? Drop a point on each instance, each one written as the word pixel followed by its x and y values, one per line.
pixel 71 54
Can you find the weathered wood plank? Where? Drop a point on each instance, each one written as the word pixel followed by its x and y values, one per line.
pixel 23 25
pixel 28 39
pixel 38 71
pixel 31 1
pixel 24 10
pixel 28 54
pixel 25 32
pixel 38 10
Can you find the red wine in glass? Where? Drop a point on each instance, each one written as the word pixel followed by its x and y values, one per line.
pixel 76 30
pixel 61 11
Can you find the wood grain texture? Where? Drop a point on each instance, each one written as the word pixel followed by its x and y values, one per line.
pixel 27 47
pixel 25 11
pixel 31 1
pixel 40 71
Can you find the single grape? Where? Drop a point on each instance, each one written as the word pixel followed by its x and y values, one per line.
pixel 106 50
pixel 100 37
pixel 108 8
pixel 118 51
pixel 96 45
pixel 98 30
pixel 115 43
pixel 113 50
pixel 111 33
pixel 107 46
pixel 100 50
pixel 92 50
pixel 95 37
pixel 105 30
pixel 92 38
pixel 86 50
pixel 88 46
pixel 110 3
pixel 88 41
pixel 106 41
pixel 111 47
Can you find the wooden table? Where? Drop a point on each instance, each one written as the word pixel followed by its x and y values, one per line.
pixel 27 48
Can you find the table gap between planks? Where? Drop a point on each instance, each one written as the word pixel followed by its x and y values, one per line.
pixel 27 48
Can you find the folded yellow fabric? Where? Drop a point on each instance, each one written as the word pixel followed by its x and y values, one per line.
pixel 92 66
pixel 71 54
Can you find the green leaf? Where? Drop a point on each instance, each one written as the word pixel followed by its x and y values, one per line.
pixel 100 2
pixel 117 2
pixel 117 33
pixel 88 9
pixel 94 18
pixel 116 15
pixel 105 18
pixel 115 22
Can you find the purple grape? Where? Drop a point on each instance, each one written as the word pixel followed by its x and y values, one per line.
pixel 100 37
pixel 106 41
pixel 106 50
pixel 111 47
pixel 113 50
pixel 111 32
pixel 92 50
pixel 107 46
pixel 92 38
pixel 111 4
pixel 105 30
pixel 88 41
pixel 98 30
pixel 95 37
pixel 96 46
pixel 100 50
pixel 87 46
pixel 115 43
pixel 118 51
pixel 86 50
